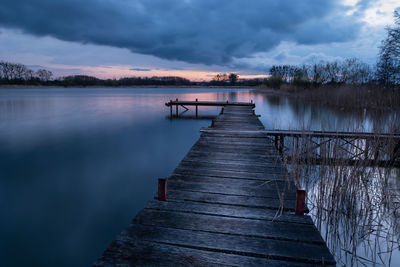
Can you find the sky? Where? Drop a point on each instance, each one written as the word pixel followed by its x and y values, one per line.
pixel 195 39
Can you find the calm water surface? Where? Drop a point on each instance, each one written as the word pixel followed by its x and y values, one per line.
pixel 76 165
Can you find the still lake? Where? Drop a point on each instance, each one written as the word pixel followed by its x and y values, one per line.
pixel 77 164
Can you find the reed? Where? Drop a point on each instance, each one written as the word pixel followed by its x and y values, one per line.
pixel 355 207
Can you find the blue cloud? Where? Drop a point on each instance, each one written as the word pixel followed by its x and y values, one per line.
pixel 140 69
pixel 194 31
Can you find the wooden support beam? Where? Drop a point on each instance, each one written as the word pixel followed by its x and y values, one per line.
pixel 177 108
pixel 282 143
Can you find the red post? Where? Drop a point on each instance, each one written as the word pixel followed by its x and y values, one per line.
pixel 300 202
pixel 212 123
pixel 162 189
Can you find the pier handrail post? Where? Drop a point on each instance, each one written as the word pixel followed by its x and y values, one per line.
pixel 282 143
pixel 170 109
pixel 300 202
pixel 177 107
pixel 162 189
pixel 197 109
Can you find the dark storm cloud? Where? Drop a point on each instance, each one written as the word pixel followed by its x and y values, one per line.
pixel 195 31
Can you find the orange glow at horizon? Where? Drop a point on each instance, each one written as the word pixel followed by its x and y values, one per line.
pixel 106 72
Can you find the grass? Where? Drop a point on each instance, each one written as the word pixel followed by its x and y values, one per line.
pixel 349 97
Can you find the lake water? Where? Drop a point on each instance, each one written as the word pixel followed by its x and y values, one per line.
pixel 76 165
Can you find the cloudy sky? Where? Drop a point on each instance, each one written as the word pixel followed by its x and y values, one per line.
pixel 190 38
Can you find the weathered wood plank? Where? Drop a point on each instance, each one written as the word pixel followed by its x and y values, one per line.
pixel 134 252
pixel 271 202
pixel 229 211
pixel 232 244
pixel 237 226
pixel 234 182
pixel 233 190
pixel 230 174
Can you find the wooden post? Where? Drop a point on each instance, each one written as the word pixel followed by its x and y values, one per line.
pixel 254 112
pixel 177 108
pixel 212 123
pixel 162 189
pixel 170 109
pixel 366 149
pixel 300 202
pixel 222 110
pixel 282 143
pixel 276 141
pixel 197 109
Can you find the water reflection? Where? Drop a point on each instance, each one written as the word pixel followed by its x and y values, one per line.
pixel 77 164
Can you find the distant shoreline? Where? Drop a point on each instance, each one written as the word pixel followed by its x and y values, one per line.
pixel 13 86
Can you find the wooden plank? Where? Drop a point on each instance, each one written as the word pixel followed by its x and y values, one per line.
pixel 229 211
pixel 237 226
pixel 232 244
pixel 281 185
pixel 271 202
pixel 253 169
pixel 231 174
pixel 134 252
pixel 234 190
pixel 234 156
pixel 244 162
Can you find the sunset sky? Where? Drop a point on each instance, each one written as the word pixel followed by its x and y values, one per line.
pixel 190 38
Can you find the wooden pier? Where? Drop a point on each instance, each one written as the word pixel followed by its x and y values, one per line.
pixel 184 104
pixel 228 203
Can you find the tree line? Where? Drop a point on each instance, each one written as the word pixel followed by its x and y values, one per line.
pixel 349 71
pixel 20 74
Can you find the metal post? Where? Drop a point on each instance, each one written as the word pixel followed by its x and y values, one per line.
pixel 162 189
pixel 197 109
pixel 300 202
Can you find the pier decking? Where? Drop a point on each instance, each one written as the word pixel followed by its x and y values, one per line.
pixel 229 202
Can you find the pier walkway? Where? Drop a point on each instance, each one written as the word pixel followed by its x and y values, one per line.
pixel 229 203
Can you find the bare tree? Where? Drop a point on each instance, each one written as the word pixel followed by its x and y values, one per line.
pixel 233 78
pixel 44 75
pixel 388 66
